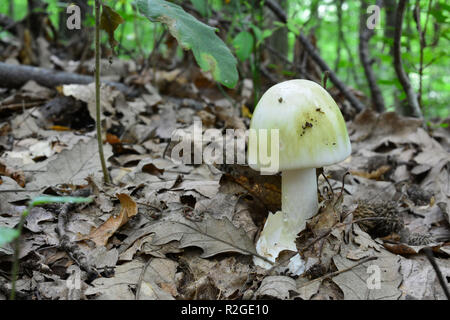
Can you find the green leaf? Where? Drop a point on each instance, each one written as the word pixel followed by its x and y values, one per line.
pixel 7 235
pixel 54 199
pixel 293 27
pixel 438 15
pixel 201 6
pixel 209 50
pixel 279 24
pixel 260 35
pixel 243 43
pixel 257 32
pixel 109 21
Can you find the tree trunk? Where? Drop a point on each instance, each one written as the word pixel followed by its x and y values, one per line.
pixel 11 9
pixel 389 27
pixel 364 36
pixel 413 104
pixel 281 15
pixel 278 40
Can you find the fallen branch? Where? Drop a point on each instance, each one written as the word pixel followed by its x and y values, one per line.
pixel 11 107
pixel 65 242
pixel 281 15
pixel 15 76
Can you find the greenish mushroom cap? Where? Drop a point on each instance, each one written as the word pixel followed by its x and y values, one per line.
pixel 312 131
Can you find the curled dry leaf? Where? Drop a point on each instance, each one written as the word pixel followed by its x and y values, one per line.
pixel 128 209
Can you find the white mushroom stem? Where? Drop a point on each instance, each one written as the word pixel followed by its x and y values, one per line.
pixel 298 196
pixel 298 203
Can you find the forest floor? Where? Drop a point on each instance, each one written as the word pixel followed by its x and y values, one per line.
pixel 165 230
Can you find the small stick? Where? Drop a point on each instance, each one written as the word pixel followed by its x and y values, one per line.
pixel 66 244
pixel 141 278
pixel 429 253
pixel 20 190
pixel 335 273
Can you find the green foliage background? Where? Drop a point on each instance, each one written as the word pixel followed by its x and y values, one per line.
pixel 248 30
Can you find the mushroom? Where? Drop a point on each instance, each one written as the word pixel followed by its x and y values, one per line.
pixel 312 134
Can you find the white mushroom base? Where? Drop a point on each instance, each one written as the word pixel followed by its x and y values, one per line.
pixel 298 204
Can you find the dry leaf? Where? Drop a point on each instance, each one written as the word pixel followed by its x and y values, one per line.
pixel 213 236
pixel 109 21
pixel 420 280
pixel 279 287
pixel 128 209
pixel 126 277
pixel 266 189
pixel 375 174
pixel 72 166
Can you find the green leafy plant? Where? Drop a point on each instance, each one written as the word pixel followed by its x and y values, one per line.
pixel 202 6
pixel 243 43
pixel 209 50
pixel 8 235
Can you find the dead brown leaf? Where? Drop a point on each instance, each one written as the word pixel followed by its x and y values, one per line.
pixel 375 174
pixel 128 209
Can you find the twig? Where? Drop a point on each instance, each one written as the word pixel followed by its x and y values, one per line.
pixel 335 273
pixel 141 278
pixel 21 106
pixel 15 267
pixel 64 241
pixel 97 93
pixel 429 253
pixel 20 190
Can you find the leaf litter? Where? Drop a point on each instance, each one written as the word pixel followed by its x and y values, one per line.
pixel 165 230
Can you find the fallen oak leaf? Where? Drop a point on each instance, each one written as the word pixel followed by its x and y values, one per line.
pixel 101 234
pixel 213 236
pixel 71 166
